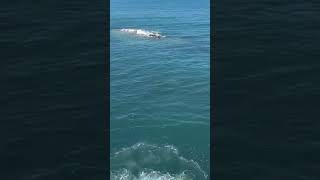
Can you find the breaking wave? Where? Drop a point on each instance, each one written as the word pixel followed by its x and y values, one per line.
pixel 145 33
pixel 151 162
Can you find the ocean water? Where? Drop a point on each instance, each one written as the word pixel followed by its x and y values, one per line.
pixel 266 98
pixel 53 64
pixel 159 90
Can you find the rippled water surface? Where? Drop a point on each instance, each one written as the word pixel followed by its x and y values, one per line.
pixel 267 89
pixel 160 90
pixel 53 59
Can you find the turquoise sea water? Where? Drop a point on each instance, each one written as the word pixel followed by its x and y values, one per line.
pixel 160 125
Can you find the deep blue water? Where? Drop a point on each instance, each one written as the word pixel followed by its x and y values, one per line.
pixel 160 89
pixel 266 89
pixel 266 92
pixel 53 64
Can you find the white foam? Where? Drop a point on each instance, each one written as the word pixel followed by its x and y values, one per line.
pixel 141 32
pixel 125 174
pixel 153 162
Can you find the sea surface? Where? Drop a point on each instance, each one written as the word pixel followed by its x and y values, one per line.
pixel 53 114
pixel 266 74
pixel 266 90
pixel 159 90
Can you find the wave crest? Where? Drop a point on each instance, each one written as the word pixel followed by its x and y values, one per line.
pixel 152 162
pixel 145 33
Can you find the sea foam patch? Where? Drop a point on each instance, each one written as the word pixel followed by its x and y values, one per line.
pixel 144 33
pixel 153 162
pixel 125 174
